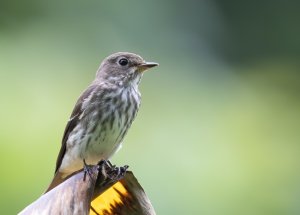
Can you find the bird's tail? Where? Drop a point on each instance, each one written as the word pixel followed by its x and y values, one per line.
pixel 58 179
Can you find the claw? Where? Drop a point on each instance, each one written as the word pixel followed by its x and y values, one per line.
pixel 111 171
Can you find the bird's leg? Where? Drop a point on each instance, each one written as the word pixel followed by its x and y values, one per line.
pixel 107 164
pixel 86 169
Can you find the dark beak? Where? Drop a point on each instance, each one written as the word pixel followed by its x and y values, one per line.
pixel 147 65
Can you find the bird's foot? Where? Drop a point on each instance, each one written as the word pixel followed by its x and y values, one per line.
pixel 87 170
pixel 111 171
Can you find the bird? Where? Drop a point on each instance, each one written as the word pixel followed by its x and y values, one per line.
pixel 102 114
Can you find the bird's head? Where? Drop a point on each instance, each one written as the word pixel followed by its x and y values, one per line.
pixel 123 69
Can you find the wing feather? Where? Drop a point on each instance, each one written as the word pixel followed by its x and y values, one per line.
pixel 73 121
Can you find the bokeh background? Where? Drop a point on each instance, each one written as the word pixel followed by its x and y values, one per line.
pixel 218 131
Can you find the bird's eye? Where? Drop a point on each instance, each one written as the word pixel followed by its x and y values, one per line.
pixel 123 61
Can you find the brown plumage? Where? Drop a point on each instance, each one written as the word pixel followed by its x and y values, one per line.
pixel 102 114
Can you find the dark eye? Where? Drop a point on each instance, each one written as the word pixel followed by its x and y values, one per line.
pixel 123 61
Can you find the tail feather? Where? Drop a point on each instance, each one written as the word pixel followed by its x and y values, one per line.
pixel 58 179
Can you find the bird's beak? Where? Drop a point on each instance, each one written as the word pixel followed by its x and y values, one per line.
pixel 147 65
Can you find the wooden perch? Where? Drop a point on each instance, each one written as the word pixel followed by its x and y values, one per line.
pixel 101 189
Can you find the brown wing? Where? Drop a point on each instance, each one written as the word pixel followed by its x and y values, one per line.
pixel 73 121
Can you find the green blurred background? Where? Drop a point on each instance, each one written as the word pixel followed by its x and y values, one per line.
pixel 218 130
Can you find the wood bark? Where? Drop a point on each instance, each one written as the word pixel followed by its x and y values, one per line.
pixel 109 189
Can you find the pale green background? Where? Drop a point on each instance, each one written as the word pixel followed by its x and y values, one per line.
pixel 218 131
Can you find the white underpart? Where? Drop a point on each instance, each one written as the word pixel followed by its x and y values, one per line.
pixel 102 145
